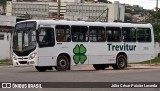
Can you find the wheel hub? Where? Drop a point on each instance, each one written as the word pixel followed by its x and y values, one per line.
pixel 62 63
pixel 121 62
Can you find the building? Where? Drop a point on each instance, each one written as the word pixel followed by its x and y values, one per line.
pixel 95 11
pixel 9 8
pixel 76 10
pixel 2 9
pixel 6 28
pixel 47 0
pixel 30 10
pixel 37 9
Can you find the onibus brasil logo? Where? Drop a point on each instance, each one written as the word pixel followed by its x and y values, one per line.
pixel 79 54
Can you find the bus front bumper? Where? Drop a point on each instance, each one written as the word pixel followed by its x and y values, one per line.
pixel 23 63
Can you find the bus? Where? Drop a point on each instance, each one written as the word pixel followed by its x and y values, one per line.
pixel 45 44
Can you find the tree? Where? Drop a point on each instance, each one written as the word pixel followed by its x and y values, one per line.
pixel 104 1
pixel 3 1
pixel 117 21
pixel 127 19
pixel 156 28
pixel 154 16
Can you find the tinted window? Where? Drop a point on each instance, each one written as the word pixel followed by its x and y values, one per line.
pixel 113 34
pixel 1 36
pixel 143 35
pixel 28 25
pixel 97 34
pixel 46 37
pixel 129 34
pixel 79 33
pixel 63 33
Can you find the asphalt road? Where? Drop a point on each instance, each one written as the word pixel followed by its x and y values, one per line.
pixel 80 74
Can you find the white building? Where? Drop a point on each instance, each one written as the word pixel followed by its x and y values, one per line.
pixel 6 26
pixel 37 9
pixel 47 0
pixel 76 10
pixel 28 9
pixel 1 9
pixel 95 11
pixel 9 8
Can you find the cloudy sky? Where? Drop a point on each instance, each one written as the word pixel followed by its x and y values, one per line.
pixel 146 4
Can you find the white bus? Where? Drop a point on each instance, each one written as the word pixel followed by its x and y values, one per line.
pixel 58 43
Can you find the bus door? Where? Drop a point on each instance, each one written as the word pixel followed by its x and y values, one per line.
pixel 46 42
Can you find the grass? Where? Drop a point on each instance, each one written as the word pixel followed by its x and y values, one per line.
pixel 153 61
pixel 6 62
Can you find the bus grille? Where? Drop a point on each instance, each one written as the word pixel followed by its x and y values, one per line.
pixel 23 62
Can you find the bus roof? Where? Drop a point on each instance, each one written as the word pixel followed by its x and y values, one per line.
pixel 84 23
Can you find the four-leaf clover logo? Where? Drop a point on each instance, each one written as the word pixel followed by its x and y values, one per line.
pixel 79 54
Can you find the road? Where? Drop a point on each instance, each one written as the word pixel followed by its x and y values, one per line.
pixel 80 74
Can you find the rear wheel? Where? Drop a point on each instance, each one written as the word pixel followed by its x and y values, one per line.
pixel 62 63
pixel 121 62
pixel 41 68
pixel 100 66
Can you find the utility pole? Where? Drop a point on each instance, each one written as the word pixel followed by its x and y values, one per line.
pixel 58 10
pixel 157 11
pixel 157 5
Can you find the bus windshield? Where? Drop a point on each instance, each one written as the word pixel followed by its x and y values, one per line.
pixel 24 38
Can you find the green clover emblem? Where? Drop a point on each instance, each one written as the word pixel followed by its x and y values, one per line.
pixel 79 54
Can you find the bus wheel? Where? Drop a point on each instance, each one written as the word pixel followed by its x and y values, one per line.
pixel 121 62
pixel 100 66
pixel 41 68
pixel 62 63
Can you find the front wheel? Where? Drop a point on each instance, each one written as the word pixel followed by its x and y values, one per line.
pixel 41 68
pixel 121 62
pixel 62 63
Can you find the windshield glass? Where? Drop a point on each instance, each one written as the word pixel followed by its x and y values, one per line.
pixel 24 37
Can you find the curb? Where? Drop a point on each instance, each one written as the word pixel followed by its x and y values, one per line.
pixel 130 65
pixel 5 64
pixel 144 66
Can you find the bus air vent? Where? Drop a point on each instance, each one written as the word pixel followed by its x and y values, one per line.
pixel 23 62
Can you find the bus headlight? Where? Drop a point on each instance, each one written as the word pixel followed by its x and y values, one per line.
pixel 32 56
pixel 15 57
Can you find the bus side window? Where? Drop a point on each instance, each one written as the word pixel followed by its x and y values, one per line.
pixel 63 33
pixel 144 35
pixel 79 33
pixel 113 34
pixel 97 34
pixel 129 34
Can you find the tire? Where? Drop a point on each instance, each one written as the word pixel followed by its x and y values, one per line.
pixel 121 62
pixel 41 68
pixel 62 63
pixel 100 66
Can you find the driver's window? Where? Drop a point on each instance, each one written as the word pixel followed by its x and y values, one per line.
pixel 42 34
pixel 46 37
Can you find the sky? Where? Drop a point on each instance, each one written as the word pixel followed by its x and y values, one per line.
pixel 146 4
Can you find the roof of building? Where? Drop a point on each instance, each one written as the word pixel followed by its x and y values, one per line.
pixel 6 28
